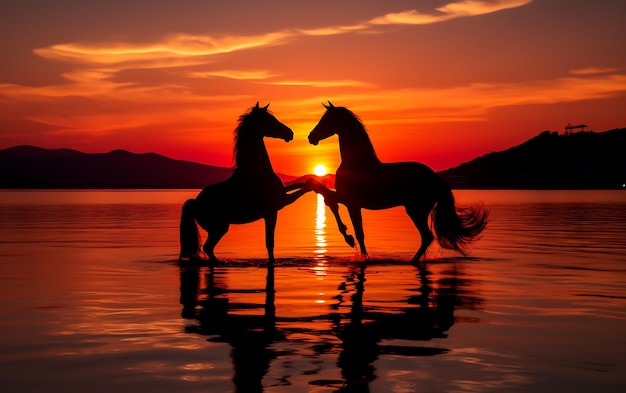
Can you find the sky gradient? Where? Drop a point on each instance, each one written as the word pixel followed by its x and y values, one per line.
pixel 439 82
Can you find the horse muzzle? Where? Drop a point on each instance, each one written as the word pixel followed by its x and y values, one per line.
pixel 313 141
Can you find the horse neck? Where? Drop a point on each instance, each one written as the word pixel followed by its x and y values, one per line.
pixel 252 157
pixel 356 147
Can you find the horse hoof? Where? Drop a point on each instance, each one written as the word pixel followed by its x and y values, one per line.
pixel 350 240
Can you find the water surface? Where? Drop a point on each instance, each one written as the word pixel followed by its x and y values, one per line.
pixel 92 299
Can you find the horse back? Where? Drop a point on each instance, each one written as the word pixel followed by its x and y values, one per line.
pixel 240 200
pixel 386 185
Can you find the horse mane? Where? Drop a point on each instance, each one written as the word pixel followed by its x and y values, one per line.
pixel 242 123
pixel 367 142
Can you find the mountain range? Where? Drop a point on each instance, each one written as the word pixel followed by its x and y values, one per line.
pixel 34 167
pixel 582 160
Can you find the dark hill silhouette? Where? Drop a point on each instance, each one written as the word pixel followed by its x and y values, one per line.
pixel 582 160
pixel 34 167
pixel 327 180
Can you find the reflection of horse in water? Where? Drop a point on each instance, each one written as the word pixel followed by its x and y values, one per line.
pixel 363 181
pixel 367 329
pixel 357 330
pixel 249 336
pixel 253 191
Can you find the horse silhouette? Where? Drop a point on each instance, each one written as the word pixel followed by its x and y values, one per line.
pixel 363 181
pixel 252 192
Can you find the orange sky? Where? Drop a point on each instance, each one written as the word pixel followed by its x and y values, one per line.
pixel 439 82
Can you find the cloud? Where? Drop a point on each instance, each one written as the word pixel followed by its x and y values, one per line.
pixel 268 78
pixel 333 30
pixel 174 47
pixel 327 83
pixel 421 105
pixel 477 7
pixel 234 74
pixel 473 102
pixel 447 12
pixel 85 83
pixel 410 17
pixel 594 70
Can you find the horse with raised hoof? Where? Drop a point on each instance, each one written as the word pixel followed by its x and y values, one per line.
pixel 364 182
pixel 253 191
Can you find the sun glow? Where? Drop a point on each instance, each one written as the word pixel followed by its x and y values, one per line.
pixel 320 170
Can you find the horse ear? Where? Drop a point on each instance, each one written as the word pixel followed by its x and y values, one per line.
pixel 257 105
pixel 330 104
pixel 324 105
pixel 266 106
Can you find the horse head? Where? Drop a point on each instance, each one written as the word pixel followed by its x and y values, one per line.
pixel 264 121
pixel 331 123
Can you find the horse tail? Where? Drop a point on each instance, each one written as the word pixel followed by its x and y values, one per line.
pixel 189 235
pixel 456 226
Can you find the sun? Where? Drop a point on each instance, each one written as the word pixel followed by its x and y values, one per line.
pixel 320 170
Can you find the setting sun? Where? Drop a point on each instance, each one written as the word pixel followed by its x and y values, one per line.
pixel 320 170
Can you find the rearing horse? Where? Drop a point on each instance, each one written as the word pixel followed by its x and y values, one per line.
pixel 252 192
pixel 363 181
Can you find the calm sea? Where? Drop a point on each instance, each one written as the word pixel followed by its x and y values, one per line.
pixel 93 300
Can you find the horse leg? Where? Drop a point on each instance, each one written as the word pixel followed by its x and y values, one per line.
pixel 301 189
pixel 420 220
pixel 343 229
pixel 357 223
pixel 331 200
pixel 270 227
pixel 215 234
pixel 308 186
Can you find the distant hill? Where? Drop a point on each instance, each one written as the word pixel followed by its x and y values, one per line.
pixel 328 180
pixel 34 167
pixel 582 160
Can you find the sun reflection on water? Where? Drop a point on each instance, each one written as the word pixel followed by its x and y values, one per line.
pixel 320 268
pixel 320 228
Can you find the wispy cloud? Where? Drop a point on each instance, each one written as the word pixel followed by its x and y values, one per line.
pixel 594 70
pixel 333 30
pixel 319 83
pixel 474 102
pixel 478 7
pixel 173 47
pixel 447 12
pixel 234 74
pixel 268 78
pixel 80 83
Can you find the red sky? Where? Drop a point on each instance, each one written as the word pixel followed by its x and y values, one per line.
pixel 439 82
